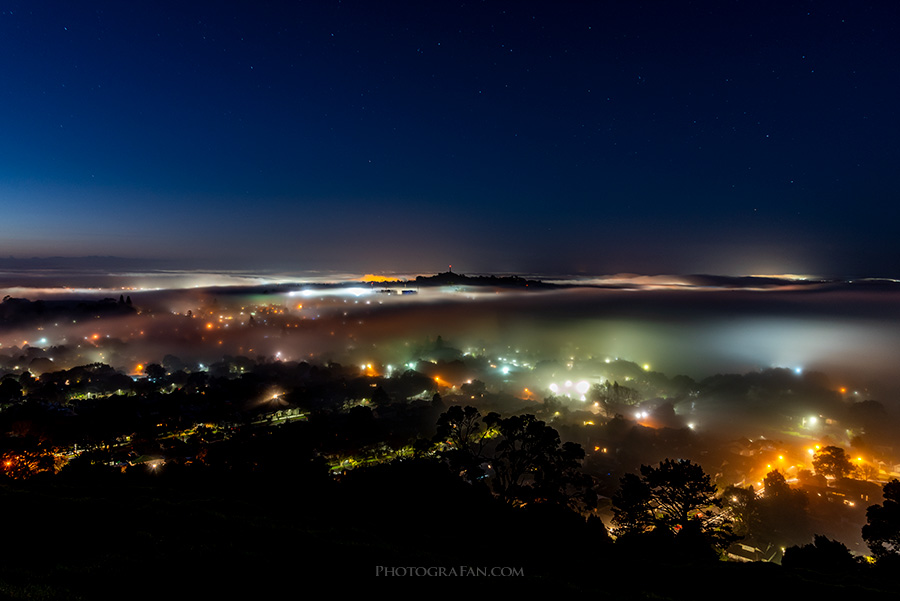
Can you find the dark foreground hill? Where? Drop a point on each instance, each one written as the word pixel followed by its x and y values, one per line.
pixel 191 534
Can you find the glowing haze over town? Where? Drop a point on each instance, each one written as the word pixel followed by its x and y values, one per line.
pixel 666 230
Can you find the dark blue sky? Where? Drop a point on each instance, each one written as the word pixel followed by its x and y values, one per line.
pixel 578 137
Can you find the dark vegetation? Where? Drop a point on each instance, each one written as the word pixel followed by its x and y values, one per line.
pixel 252 474
pixel 21 311
pixel 448 278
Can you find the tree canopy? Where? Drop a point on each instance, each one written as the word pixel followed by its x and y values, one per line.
pixel 782 512
pixel 882 529
pixel 823 554
pixel 832 461
pixel 466 434
pixel 676 496
pixel 529 462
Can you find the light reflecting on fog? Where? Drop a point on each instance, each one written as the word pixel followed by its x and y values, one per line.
pixel 848 332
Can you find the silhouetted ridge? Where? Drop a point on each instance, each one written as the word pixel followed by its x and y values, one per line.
pixel 448 278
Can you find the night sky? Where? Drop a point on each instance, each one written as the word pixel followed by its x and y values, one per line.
pixel 538 137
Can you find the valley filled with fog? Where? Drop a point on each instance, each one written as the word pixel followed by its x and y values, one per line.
pixel 745 377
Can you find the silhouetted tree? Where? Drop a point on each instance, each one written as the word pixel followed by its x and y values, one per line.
pixel 882 529
pixel 610 396
pixel 530 464
pixel 173 363
pixel 832 461
pixel 554 407
pixel 155 371
pixel 466 434
pixel 822 555
pixel 867 471
pixel 682 492
pixel 380 398
pixel 632 509
pixel 783 519
pixel 677 496
pixel 463 429
pixel 743 506
pixel 775 485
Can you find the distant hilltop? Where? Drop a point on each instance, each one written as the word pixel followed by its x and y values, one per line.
pixel 448 278
pixel 19 311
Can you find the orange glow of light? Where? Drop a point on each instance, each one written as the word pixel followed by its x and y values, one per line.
pixel 139 367
pixel 843 390
pixel 95 337
pixel 369 277
pixel 369 370
pixel 209 326
pixel 300 306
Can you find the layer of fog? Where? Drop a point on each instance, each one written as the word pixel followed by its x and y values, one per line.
pixel 853 336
